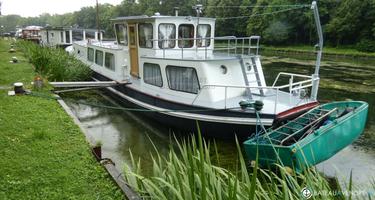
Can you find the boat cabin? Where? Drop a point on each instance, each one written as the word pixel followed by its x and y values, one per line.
pixel 175 58
pixel 65 36
pixel 31 33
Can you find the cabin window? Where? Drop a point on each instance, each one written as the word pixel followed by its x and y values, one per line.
pixel 121 34
pixel 110 61
pixel 77 35
pixel 145 35
pixel 152 74
pixel 67 36
pixel 185 32
pixel 99 57
pixel 167 36
pixel 90 35
pixel 62 36
pixel 203 31
pixel 183 79
pixel 90 54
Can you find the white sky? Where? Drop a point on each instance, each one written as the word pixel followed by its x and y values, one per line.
pixel 32 8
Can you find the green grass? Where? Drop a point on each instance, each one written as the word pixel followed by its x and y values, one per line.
pixel 343 51
pixel 43 153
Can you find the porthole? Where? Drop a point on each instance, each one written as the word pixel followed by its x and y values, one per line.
pixel 224 69
pixel 248 66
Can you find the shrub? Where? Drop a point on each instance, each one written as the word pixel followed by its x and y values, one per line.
pixel 54 63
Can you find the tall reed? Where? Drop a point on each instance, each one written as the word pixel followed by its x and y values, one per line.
pixel 54 63
pixel 188 172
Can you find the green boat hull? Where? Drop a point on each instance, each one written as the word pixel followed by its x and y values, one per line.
pixel 320 145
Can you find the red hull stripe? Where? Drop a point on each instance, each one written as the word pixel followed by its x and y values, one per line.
pixel 297 109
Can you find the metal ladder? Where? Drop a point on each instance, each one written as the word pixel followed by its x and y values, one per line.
pixel 308 121
pixel 246 73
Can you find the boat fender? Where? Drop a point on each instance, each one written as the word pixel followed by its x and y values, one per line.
pixel 257 105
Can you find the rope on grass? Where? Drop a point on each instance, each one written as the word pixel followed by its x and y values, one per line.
pixel 46 96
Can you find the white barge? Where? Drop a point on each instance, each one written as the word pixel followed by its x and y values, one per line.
pixel 178 68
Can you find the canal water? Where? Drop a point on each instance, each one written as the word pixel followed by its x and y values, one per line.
pixel 128 135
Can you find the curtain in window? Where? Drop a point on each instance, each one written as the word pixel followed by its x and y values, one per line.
pixel 167 31
pixel 145 35
pixel 122 34
pixel 110 61
pixel 185 31
pixel 183 79
pixel 152 74
pixel 204 31
pixel 99 57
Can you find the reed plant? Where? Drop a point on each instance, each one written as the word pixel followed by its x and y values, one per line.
pixel 54 63
pixel 189 172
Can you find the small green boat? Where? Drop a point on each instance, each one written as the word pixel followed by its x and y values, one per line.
pixel 311 138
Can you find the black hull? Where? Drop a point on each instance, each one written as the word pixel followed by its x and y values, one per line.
pixel 181 125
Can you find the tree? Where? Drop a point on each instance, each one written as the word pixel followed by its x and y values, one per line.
pixel 351 21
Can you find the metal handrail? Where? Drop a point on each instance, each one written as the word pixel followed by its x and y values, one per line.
pixel 231 44
pixel 273 87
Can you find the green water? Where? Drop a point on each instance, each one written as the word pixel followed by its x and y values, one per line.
pixel 123 132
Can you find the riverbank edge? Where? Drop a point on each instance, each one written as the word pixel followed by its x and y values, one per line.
pixel 45 155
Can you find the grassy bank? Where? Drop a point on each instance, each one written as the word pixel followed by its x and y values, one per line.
pixel 44 154
pixel 330 51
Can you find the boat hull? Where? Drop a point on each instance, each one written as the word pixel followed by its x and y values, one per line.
pixel 318 146
pixel 186 124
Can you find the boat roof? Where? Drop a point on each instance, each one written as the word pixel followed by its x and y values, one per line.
pixel 154 17
pixel 61 28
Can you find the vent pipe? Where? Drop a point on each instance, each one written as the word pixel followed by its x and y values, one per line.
pixel 176 11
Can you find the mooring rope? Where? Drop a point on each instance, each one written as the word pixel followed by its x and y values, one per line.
pixel 46 96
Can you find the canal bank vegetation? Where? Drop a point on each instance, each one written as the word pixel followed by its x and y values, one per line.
pixel 191 171
pixel 44 155
pixel 54 64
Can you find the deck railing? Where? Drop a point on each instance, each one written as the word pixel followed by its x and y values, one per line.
pixel 293 88
pixel 229 45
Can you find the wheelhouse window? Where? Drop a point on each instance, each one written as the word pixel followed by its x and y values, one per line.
pixel 67 37
pixel 182 79
pixel 152 74
pixel 109 61
pixel 90 54
pixel 99 57
pixel 62 36
pixel 90 35
pixel 145 35
pixel 185 31
pixel 203 31
pixel 121 34
pixel 167 36
pixel 77 35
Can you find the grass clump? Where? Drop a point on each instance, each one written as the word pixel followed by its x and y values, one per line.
pixel 54 63
pixel 189 173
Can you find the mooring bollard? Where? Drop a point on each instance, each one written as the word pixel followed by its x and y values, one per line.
pixel 14 59
pixel 38 82
pixel 18 88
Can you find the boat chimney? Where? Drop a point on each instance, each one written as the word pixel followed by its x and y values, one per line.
pixel 176 11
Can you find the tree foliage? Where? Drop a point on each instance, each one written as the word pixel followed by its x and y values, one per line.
pixel 345 22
